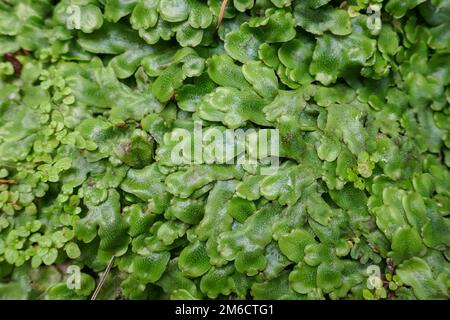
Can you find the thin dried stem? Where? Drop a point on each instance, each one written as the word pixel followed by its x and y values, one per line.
pixel 103 278
pixel 7 181
pixel 221 12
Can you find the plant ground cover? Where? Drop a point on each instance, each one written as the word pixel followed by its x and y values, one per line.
pixel 93 94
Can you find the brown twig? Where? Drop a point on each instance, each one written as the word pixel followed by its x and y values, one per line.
pixel 7 181
pixel 221 12
pixel 16 63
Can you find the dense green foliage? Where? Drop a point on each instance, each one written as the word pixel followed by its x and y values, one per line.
pixel 92 90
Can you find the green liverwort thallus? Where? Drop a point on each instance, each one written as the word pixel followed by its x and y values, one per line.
pixel 93 94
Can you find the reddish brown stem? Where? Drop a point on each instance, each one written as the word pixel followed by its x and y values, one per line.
pixel 221 12
pixel 16 63
pixel 7 181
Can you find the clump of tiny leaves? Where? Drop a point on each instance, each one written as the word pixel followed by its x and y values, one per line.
pixel 91 92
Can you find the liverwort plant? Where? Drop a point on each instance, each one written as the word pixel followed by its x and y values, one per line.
pixel 225 146
pixel 246 149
